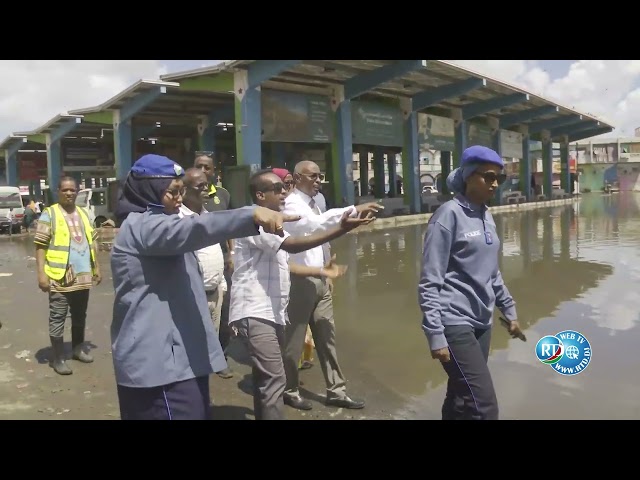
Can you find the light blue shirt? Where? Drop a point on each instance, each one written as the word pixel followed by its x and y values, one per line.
pixel 162 331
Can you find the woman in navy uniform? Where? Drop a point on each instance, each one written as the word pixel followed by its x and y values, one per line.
pixel 163 342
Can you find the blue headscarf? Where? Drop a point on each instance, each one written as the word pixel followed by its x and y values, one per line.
pixel 472 158
pixel 146 183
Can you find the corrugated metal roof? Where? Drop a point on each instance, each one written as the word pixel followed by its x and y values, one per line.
pixel 51 124
pixel 8 140
pixel 320 76
pixel 118 100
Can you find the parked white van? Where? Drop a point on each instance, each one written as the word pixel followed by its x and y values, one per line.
pixel 11 210
pixel 94 201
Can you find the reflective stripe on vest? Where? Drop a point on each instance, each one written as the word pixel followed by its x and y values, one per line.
pixel 57 256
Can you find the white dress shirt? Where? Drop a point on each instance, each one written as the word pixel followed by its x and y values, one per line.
pixel 210 259
pixel 298 203
pixel 260 282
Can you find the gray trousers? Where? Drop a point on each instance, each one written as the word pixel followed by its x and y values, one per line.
pixel 59 306
pixel 311 303
pixel 264 340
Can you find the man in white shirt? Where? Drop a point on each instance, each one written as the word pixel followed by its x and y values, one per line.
pixel 311 298
pixel 210 259
pixel 260 292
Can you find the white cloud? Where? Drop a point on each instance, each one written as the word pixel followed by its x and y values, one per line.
pixel 603 88
pixel 34 91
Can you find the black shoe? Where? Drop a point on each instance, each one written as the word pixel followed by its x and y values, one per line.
pixel 58 363
pixel 345 402
pixel 296 401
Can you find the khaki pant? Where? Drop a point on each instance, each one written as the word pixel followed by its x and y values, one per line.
pixel 214 299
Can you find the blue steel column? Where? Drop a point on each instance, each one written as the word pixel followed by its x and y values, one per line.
pixel 496 140
pixel 411 162
pixel 433 96
pixel 393 176
pixel 354 87
pixel 343 148
pixel 547 166
pixel 248 108
pixel 11 163
pixel 378 172
pixel 363 155
pixel 11 167
pixel 477 109
pixel 123 134
pixel 54 152
pixel 54 165
pixel 460 137
pixel 525 168
pixel 248 123
pixel 123 145
pixel 445 170
pixel 565 170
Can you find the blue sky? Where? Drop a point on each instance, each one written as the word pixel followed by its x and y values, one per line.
pixel 34 91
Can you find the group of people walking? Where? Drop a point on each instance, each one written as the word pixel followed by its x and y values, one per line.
pixel 276 272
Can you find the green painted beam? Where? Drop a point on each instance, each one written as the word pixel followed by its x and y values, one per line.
pixel 38 138
pixel 104 118
pixel 221 83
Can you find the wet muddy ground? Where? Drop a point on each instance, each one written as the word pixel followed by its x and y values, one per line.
pixel 30 389
pixel 571 267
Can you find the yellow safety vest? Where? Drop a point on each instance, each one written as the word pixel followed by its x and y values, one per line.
pixel 57 256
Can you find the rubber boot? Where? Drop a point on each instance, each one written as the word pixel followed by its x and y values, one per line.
pixel 77 339
pixel 58 363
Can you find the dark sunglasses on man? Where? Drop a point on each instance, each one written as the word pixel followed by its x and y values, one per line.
pixel 275 187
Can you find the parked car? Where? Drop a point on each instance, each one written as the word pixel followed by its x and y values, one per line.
pixel 11 210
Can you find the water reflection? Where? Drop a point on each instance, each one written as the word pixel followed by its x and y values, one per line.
pixel 571 267
pixel 567 267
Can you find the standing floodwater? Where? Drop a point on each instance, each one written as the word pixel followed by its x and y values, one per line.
pixel 575 267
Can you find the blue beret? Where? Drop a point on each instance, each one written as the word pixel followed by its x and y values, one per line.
pixel 156 166
pixel 478 153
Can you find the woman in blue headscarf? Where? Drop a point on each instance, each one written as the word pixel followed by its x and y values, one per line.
pixel 163 341
pixel 461 284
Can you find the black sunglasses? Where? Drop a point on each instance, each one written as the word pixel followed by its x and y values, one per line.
pixel 275 187
pixel 490 177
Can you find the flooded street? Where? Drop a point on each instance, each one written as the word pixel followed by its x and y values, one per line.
pixel 571 267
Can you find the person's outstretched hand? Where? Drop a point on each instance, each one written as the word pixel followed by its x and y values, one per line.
pixel 271 221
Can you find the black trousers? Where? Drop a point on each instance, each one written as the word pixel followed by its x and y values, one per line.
pixel 470 392
pixel 186 400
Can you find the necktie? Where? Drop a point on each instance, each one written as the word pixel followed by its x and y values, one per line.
pixel 314 207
